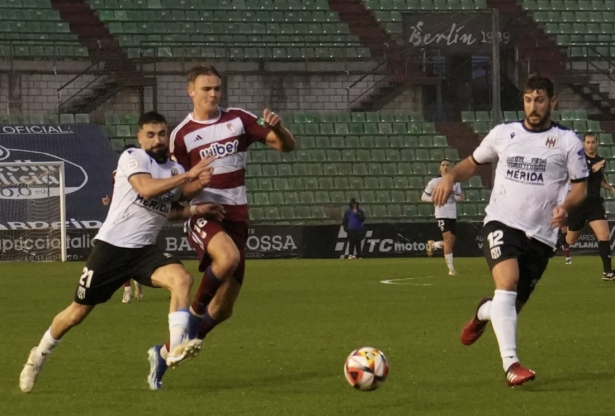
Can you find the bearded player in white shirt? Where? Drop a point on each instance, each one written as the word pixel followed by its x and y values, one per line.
pixel 147 183
pixel 529 202
pixel 446 216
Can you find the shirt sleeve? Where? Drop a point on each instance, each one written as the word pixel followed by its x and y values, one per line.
pixel 254 132
pixel 134 161
pixel 430 187
pixel 577 166
pixel 177 192
pixel 486 151
pixel 179 153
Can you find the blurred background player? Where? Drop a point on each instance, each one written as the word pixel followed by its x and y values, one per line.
pixel 528 205
pixel 446 216
pixel 106 200
pixel 226 135
pixel 592 211
pixel 353 220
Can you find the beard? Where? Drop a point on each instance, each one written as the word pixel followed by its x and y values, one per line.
pixel 541 120
pixel 159 154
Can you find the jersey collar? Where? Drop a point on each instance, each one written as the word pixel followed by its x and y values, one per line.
pixel 537 131
pixel 212 121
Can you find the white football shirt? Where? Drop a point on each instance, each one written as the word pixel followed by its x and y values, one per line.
pixel 532 175
pixel 134 221
pixel 448 210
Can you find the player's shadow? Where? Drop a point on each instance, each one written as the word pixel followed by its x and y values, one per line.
pixel 570 382
pixel 240 383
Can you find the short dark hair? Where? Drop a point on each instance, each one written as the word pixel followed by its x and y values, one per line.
pixel 151 117
pixel 445 160
pixel 590 134
pixel 537 83
pixel 200 70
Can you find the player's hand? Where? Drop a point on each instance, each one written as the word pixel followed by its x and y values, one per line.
pixel 271 119
pixel 560 217
pixel 205 177
pixel 598 165
pixel 442 191
pixel 212 211
pixel 106 200
pixel 200 167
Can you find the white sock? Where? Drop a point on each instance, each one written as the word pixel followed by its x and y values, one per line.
pixel 178 326
pixel 127 289
pixel 47 344
pixel 438 245
pixel 484 312
pixel 449 261
pixel 504 321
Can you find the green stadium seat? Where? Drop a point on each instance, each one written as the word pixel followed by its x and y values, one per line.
pixel 485 194
pixel 306 197
pixel 368 196
pixel 468 116
pixel 385 182
pixel 410 212
pixel 425 210
pixel 329 169
pixel 261 198
pixel 440 141
pixel 476 182
pixel 254 170
pixel 287 213
pixel 285 169
pixel 398 197
pixel 375 169
pixel 344 169
pixel 472 195
pixel 413 196
pixel 379 211
pixel 367 142
pixel 400 182
pixel 337 142
pixel 393 155
pixel 265 184
pixel 356 183
pixel 394 211
pixel 270 170
pixel 408 155
pixel 280 184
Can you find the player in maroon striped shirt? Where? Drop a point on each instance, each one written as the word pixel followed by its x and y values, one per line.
pixel 225 134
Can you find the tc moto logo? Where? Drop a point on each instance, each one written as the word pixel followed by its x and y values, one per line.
pixel 378 245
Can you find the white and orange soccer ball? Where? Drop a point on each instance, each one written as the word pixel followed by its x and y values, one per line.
pixel 366 368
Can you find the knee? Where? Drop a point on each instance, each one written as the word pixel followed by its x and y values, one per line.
pixel 180 282
pixel 229 263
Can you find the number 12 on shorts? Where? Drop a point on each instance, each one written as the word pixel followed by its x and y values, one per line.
pixel 495 241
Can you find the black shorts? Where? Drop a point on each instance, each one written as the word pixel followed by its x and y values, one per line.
pixel 447 224
pixel 502 242
pixel 108 267
pixel 588 211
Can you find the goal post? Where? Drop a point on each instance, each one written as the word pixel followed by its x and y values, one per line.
pixel 32 211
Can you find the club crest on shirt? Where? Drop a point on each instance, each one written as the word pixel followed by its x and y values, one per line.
pixel 174 172
pixel 550 142
pixel 230 128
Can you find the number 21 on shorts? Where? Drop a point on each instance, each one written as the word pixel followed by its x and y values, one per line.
pixel 86 278
pixel 495 241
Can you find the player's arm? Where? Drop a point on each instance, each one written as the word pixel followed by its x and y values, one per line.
pixel 279 138
pixel 149 187
pixel 606 185
pixel 426 195
pixel 578 173
pixel 192 189
pixel 179 212
pixel 485 153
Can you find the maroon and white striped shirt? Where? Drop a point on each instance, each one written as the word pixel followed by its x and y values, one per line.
pixel 228 138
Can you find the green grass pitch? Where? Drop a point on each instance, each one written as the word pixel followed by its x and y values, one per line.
pixel 283 351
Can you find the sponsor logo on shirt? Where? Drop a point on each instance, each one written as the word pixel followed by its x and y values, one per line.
pixel 161 207
pixel 526 171
pixel 550 142
pixel 220 150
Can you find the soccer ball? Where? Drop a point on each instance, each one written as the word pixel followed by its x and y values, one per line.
pixel 366 368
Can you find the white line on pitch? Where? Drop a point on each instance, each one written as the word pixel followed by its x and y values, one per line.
pixel 403 279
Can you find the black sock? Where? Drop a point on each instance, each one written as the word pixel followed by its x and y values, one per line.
pixel 605 254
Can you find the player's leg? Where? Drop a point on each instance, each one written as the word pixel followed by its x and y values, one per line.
pixel 175 278
pixel 564 244
pixel 102 275
pixel 450 231
pixel 127 296
pixel 352 244
pixel 600 228
pixel 138 291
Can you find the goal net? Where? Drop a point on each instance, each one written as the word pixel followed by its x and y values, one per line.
pixel 32 211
